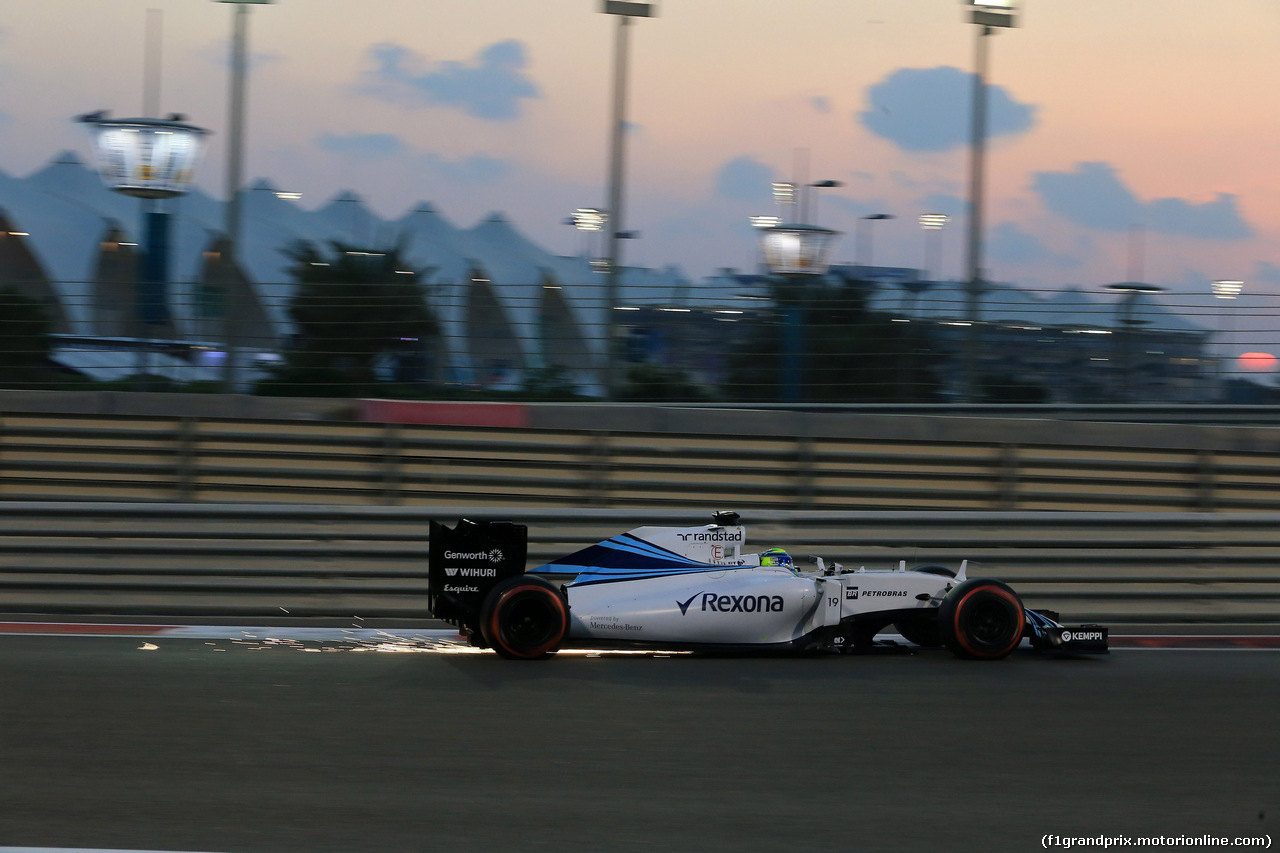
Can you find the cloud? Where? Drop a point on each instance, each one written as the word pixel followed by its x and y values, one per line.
pixel 1093 195
pixel 821 103
pixel 1009 244
pixel 1267 271
pixel 928 109
pixel 362 146
pixel 854 208
pixel 490 86
pixel 945 203
pixel 683 226
pixel 476 169
pixel 218 53
pixel 911 182
pixel 745 179
pixel 1195 286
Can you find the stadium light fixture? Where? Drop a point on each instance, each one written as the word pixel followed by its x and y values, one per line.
pixel 993 13
pixel 1227 288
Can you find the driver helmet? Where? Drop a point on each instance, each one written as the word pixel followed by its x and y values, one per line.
pixel 777 557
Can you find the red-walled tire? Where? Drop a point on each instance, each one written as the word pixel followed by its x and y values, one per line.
pixel 524 618
pixel 982 620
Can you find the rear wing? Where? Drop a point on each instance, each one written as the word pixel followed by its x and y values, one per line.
pixel 467 561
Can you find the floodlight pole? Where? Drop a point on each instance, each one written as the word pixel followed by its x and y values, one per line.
pixel 988 16
pixel 1126 327
pixel 932 225
pixel 235 125
pixel 624 11
pixel 617 176
pixel 862 244
pixel 152 291
pixel 977 172
pixel 235 181
pixel 235 165
pixel 1224 289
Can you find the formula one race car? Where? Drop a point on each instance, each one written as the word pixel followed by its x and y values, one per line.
pixel 694 588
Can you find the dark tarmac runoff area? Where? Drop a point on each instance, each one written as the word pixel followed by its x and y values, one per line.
pixel 219 745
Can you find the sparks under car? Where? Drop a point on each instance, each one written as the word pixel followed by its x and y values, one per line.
pixel 696 588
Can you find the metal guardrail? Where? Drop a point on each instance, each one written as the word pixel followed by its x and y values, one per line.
pixel 625 458
pixel 258 561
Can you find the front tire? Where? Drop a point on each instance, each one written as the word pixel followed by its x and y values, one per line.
pixel 524 618
pixel 982 620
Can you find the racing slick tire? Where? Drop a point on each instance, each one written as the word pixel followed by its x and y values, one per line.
pixel 922 628
pixel 524 618
pixel 981 620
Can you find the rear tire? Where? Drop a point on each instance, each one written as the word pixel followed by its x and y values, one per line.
pixel 922 628
pixel 981 620
pixel 524 618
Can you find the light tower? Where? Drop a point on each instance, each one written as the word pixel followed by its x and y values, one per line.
pixel 796 253
pixel 151 159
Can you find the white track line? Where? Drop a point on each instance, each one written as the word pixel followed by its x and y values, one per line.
pixel 219 632
pixel 79 850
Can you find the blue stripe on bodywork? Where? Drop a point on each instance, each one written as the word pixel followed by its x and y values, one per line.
pixel 634 545
pixel 588 576
pixel 1037 623
pixel 624 557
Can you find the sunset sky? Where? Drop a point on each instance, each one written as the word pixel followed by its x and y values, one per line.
pixel 1105 115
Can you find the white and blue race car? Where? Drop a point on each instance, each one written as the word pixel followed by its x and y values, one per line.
pixel 697 588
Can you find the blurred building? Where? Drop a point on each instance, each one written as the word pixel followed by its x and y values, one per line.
pixel 506 306
pixel 1077 346
pixel 510 310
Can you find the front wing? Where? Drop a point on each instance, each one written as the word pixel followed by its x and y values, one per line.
pixel 1047 634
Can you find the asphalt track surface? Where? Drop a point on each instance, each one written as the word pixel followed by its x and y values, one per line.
pixel 377 744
